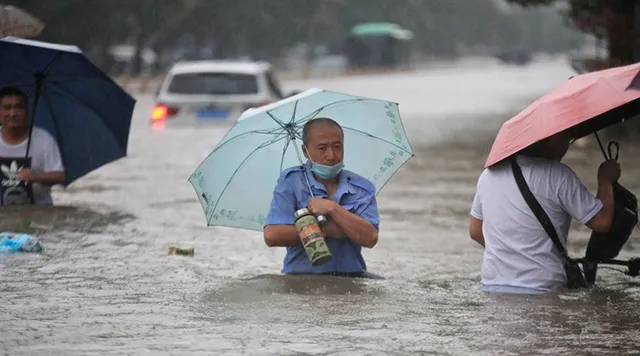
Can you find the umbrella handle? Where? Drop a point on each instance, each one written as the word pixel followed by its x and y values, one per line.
pixel 615 145
pixel 612 144
pixel 321 218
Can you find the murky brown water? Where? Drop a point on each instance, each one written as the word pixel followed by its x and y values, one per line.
pixel 105 285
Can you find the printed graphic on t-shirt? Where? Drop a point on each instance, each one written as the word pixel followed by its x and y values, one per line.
pixel 14 191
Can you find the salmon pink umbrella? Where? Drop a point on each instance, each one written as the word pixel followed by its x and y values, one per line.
pixel 18 23
pixel 586 103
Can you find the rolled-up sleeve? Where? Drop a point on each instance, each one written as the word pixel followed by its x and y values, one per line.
pixel 283 204
pixel 576 199
pixel 367 208
pixel 476 206
pixel 52 157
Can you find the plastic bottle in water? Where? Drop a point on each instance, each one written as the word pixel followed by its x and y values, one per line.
pixel 15 242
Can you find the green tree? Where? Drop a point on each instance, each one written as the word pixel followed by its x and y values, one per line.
pixel 264 28
pixel 612 18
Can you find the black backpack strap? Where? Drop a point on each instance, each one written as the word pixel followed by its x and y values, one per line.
pixel 537 209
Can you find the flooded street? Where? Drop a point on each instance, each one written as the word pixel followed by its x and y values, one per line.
pixel 106 286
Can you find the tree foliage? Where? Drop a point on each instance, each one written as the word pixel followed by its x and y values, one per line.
pixel 613 20
pixel 264 28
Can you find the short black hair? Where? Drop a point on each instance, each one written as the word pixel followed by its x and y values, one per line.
pixel 13 91
pixel 536 150
pixel 539 148
pixel 306 129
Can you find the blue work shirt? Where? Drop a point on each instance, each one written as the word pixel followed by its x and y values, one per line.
pixel 355 193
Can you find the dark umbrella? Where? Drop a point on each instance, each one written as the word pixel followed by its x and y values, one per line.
pixel 84 109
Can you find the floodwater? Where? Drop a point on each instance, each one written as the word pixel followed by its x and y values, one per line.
pixel 106 286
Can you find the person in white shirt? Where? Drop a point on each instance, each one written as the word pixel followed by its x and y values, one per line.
pixel 519 256
pixel 25 179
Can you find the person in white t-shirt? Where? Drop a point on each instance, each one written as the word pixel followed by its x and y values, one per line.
pixel 519 256
pixel 25 181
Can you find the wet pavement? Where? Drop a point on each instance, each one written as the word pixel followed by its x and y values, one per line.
pixel 106 286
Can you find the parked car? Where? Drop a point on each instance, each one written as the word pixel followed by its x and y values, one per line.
pixel 213 90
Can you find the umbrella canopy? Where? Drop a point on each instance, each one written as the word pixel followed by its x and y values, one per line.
pixel 86 111
pixel 588 103
pixel 17 22
pixel 235 182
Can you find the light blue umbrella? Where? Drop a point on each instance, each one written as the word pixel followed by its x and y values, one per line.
pixel 235 182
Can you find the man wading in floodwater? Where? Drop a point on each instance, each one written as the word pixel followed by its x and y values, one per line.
pixel 345 198
pixel 519 255
pixel 25 180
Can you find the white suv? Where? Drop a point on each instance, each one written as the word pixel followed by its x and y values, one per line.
pixel 212 90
